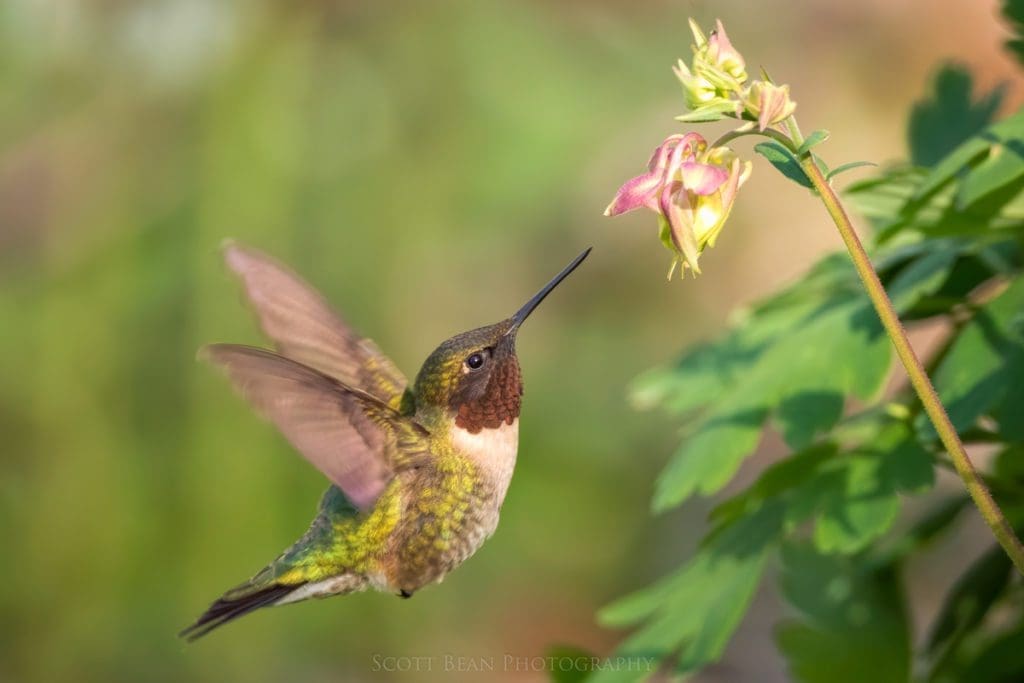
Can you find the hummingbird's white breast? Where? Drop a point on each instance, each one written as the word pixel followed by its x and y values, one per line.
pixel 491 450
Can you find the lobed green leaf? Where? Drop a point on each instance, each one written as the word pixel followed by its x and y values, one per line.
pixel 971 598
pixel 695 611
pixel 854 627
pixel 998 661
pixel 1013 12
pixel 948 116
pixel 979 374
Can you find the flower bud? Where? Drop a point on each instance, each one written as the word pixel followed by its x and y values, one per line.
pixel 713 81
pixel 724 55
pixel 768 103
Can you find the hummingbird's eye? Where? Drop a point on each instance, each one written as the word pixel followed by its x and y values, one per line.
pixel 475 362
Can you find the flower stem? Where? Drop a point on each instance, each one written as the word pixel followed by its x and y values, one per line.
pixel 994 517
pixel 766 133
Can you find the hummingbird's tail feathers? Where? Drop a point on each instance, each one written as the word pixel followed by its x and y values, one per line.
pixel 227 609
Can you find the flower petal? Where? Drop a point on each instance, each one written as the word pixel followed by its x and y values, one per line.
pixel 636 193
pixel 685 150
pixel 722 51
pixel 702 179
pixel 660 156
pixel 680 220
pixel 693 144
pixel 738 174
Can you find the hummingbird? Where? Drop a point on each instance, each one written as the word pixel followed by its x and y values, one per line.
pixel 418 472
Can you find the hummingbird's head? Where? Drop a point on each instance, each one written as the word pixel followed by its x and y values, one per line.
pixel 475 375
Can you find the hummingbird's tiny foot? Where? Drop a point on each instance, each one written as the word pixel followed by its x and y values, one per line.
pixel 404 593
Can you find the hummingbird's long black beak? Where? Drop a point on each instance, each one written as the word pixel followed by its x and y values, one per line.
pixel 524 312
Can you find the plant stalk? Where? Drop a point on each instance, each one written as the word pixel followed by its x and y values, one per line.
pixel 994 516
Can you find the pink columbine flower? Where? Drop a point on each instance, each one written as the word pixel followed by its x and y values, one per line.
pixel 691 188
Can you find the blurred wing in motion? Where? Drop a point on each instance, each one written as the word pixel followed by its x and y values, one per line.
pixel 346 433
pixel 304 328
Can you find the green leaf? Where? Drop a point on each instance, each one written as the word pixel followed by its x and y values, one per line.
pixel 701 614
pixel 694 612
pixel 923 275
pixel 849 166
pixel 971 598
pixel 860 511
pixel 812 140
pixel 1009 414
pixel 708 460
pixel 904 466
pixel 830 277
pixel 933 524
pixel 1013 12
pixel 938 216
pixel 704 116
pixel 949 166
pixel 711 112
pixel 570 664
pixel 999 661
pixel 820 163
pixel 941 274
pixel 793 481
pixel 863 502
pixel 855 625
pixel 1009 465
pixel 635 607
pixel 882 198
pixel 992 200
pixel 781 158
pixel 707 372
pixel 836 348
pixel 854 496
pixel 840 347
pixel 984 364
pixel 1003 165
pixel 802 416
pixel 949 116
pixel 972 191
pixel 699 378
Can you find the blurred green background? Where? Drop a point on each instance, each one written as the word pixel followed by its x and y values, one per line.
pixel 427 165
